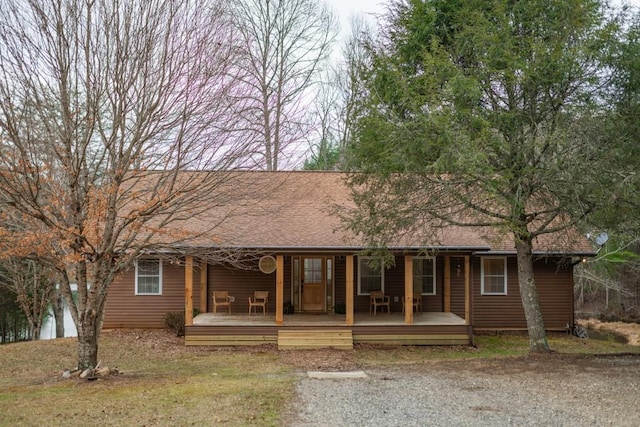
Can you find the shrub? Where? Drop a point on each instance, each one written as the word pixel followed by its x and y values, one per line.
pixel 174 322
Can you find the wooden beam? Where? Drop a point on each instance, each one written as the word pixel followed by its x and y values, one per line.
pixel 349 290
pixel 188 290
pixel 279 289
pixel 467 290
pixel 408 289
pixel 203 286
pixel 447 284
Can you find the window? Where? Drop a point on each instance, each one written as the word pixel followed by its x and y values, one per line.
pixel 313 270
pixel 424 275
pixel 370 275
pixel 494 275
pixel 148 277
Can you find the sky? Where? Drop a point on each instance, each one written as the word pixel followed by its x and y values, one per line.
pixel 345 9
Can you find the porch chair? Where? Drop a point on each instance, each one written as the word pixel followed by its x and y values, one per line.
pixel 417 304
pixel 221 299
pixel 259 299
pixel 378 299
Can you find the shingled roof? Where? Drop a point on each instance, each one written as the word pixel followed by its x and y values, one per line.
pixel 290 211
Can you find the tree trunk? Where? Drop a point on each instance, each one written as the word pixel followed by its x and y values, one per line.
pixel 535 324
pixel 87 344
pixel 58 312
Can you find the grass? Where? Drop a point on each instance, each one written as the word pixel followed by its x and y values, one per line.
pixel 165 383
pixel 162 383
pixel 486 347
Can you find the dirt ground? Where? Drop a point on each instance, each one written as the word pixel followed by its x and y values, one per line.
pixel 631 331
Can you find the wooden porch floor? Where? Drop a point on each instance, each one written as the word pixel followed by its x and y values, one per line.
pixel 423 319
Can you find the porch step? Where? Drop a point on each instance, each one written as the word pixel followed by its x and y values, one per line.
pixel 315 338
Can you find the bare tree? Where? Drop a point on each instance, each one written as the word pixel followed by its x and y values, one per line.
pixel 334 106
pixel 324 148
pixel 284 46
pixel 128 98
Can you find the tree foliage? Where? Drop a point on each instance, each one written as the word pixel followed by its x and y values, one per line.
pixel 608 284
pixel 481 113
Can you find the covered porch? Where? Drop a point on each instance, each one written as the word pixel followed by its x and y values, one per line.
pixel 328 329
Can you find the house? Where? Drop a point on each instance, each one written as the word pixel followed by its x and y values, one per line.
pixel 281 235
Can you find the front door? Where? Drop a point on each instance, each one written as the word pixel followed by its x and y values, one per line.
pixel 313 284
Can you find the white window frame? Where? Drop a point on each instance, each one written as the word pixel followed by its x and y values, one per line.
pixel 482 275
pixel 159 277
pixel 367 259
pixel 433 263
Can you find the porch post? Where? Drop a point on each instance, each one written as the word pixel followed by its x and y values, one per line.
pixel 203 286
pixel 279 288
pixel 349 290
pixel 188 290
pixel 447 284
pixel 467 290
pixel 408 289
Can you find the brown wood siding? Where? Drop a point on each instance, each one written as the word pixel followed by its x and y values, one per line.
pixel 340 280
pixel 436 302
pixel 554 286
pixel 242 283
pixel 125 309
pixel 393 286
pixel 196 287
pixel 457 285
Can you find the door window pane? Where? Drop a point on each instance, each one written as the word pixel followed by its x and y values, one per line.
pixel 313 270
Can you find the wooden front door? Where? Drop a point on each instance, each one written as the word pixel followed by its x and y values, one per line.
pixel 313 284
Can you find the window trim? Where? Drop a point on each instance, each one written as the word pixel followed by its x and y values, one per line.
pixel 367 258
pixel 482 275
pixel 159 277
pixel 433 263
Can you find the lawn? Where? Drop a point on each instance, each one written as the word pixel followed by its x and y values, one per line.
pixel 164 383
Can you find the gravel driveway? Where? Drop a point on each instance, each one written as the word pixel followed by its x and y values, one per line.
pixel 533 391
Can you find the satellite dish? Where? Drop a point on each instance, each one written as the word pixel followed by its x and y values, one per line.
pixel 602 238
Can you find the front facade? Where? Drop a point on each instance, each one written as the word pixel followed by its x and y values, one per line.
pixel 458 293
pixel 319 281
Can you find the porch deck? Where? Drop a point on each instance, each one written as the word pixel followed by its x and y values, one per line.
pixel 307 319
pixel 314 330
